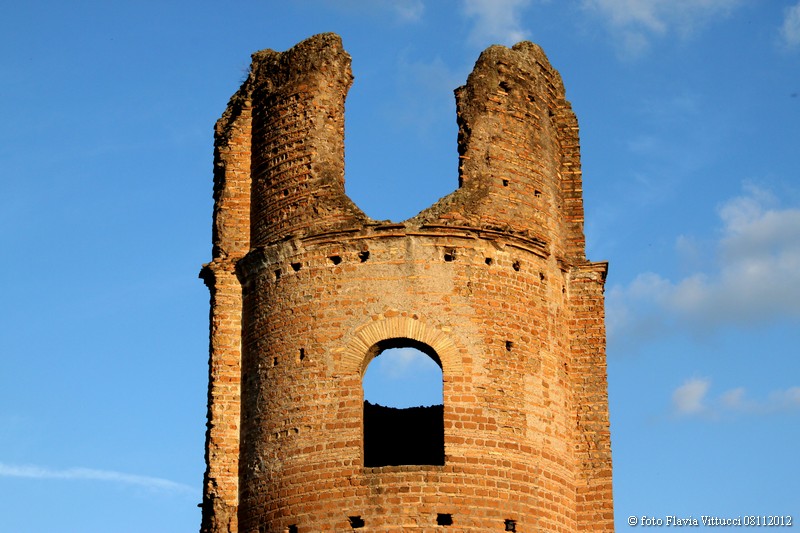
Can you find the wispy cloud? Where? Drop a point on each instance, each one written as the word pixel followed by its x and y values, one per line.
pixel 688 399
pixel 403 363
pixel 790 30
pixel 634 23
pixel 755 277
pixel 39 472
pixel 692 398
pixel 408 10
pixel 496 21
pixel 402 11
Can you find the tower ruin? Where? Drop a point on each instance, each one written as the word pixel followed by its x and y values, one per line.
pixel 492 282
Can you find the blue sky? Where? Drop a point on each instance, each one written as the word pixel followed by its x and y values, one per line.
pixel 690 126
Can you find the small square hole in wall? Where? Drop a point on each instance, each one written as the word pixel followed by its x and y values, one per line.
pixel 296 267
pixel 291 529
pixel 489 260
pixel 444 519
pixel 335 259
pixel 450 255
pixel 277 274
pixel 363 256
pixel 511 525
pixel 356 522
pixel 516 266
pixel 509 346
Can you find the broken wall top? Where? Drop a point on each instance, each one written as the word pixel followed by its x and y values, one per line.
pixel 519 153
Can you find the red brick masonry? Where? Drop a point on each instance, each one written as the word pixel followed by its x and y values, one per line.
pixel 491 281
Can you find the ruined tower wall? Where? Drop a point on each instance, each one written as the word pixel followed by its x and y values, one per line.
pixel 589 386
pixel 491 282
pixel 519 165
pixel 231 241
pixel 298 141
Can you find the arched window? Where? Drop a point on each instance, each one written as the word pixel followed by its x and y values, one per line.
pixel 403 407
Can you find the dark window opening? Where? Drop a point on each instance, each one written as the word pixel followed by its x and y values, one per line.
pixel 505 183
pixel 450 255
pixel 504 86
pixel 291 529
pixel 509 345
pixel 277 274
pixel 403 406
pixel 302 354
pixel 511 525
pixel 489 261
pixel 516 266
pixel 296 267
pixel 356 522
pixel 335 259
pixel 444 519
pixel 363 256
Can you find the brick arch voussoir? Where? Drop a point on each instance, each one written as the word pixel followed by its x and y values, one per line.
pixel 359 350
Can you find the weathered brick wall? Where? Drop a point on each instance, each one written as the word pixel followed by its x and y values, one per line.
pixel 491 281
pixel 231 241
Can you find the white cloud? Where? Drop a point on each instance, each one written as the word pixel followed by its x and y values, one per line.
pixel 688 399
pixel 692 399
pixel 408 10
pixel 402 363
pixel 404 11
pixel 784 399
pixel 635 22
pixel 38 472
pixel 790 30
pixel 755 277
pixel 496 21
pixel 734 399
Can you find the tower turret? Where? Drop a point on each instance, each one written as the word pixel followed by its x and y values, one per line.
pixel 491 282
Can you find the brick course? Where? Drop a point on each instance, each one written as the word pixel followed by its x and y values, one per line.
pixel 491 281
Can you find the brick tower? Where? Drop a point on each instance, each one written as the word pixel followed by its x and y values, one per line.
pixel 491 282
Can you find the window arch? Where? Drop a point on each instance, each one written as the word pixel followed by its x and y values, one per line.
pixel 403 407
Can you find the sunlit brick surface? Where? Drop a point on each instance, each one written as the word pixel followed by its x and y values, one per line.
pixel 492 280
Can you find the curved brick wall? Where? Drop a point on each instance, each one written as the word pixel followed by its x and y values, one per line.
pixel 491 282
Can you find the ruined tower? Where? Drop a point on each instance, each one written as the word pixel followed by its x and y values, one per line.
pixel 491 282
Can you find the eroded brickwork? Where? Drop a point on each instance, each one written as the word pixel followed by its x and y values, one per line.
pixel 491 281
